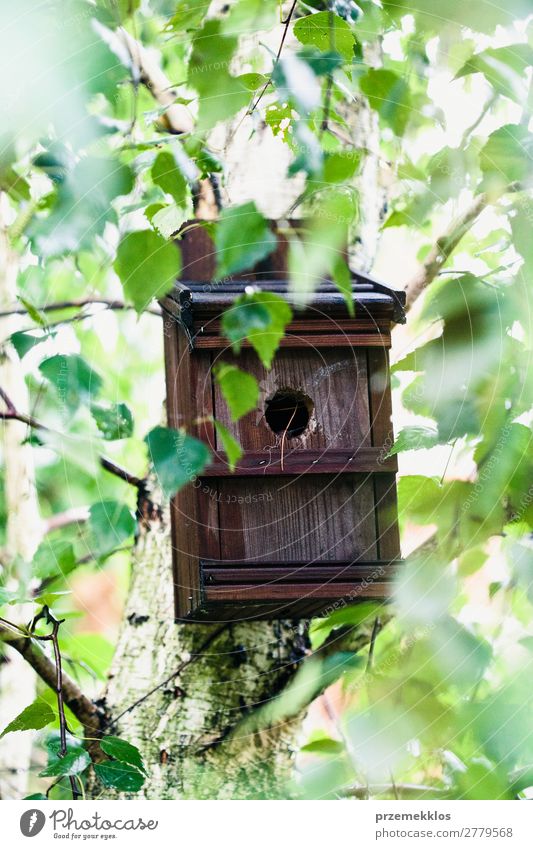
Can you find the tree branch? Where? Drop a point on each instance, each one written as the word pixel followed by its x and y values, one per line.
pixel 403 791
pixel 285 23
pixel 108 303
pixel 81 706
pixel 443 248
pixel 177 118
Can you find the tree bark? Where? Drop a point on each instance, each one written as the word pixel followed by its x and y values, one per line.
pixel 186 727
pixel 23 531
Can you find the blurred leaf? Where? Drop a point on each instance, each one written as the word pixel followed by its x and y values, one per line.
pixel 82 207
pixel 110 524
pixel 221 95
pixel 230 445
pixel 327 31
pixel 242 239
pixel 504 68
pixel 176 457
pixel 167 220
pixel 350 615
pixel 167 175
pixel 114 421
pixel 53 558
pixel 297 83
pixel 389 95
pixel 240 389
pixel 413 438
pixel 35 716
pixel 73 379
pixel 323 746
pixel 147 265
pixel 24 342
pixel 260 317
pixel 506 158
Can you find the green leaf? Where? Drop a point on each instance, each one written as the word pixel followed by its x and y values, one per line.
pixel 73 379
pixel 188 15
pixel 354 615
pixel 340 166
pixel 110 524
pixel 413 438
pixel 35 716
pixel 240 389
pixel 167 220
pixel 504 68
pixel 53 558
pixel 249 16
pixel 114 421
pixel 75 761
pixel 147 265
pixel 177 458
pixel 389 95
pixel 122 751
pixel 260 317
pixel 506 158
pixel 230 445
pixel 327 31
pixel 221 95
pixel 296 82
pixel 82 207
pixel 343 281
pixel 167 175
pixel 479 15
pixel 23 341
pixel 8 596
pixel 120 776
pixel 323 746
pixel 242 238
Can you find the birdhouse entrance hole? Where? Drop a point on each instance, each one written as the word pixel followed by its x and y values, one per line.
pixel 288 412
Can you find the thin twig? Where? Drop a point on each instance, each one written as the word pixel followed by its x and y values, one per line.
pixel 11 413
pixel 376 628
pixel 285 23
pixel 121 473
pixel 108 303
pixel 53 637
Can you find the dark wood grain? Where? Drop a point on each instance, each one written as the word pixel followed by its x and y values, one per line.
pixel 335 381
pixel 382 435
pixel 282 519
pixel 303 462
pixel 309 340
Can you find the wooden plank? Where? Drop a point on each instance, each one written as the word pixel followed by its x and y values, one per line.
pixel 280 592
pixel 279 519
pixel 184 372
pixel 335 381
pixel 382 435
pixel 309 340
pixel 266 574
pixel 311 325
pixel 303 462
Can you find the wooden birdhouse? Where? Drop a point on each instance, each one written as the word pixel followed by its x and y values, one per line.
pixel 308 519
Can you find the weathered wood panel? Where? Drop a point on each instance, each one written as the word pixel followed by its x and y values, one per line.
pixel 382 435
pixel 334 379
pixel 322 518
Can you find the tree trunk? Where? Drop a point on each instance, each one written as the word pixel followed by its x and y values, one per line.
pixel 184 729
pixel 23 532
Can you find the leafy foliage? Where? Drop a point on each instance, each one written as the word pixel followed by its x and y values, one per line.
pixel 96 179
pixel 35 716
pixel 176 457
